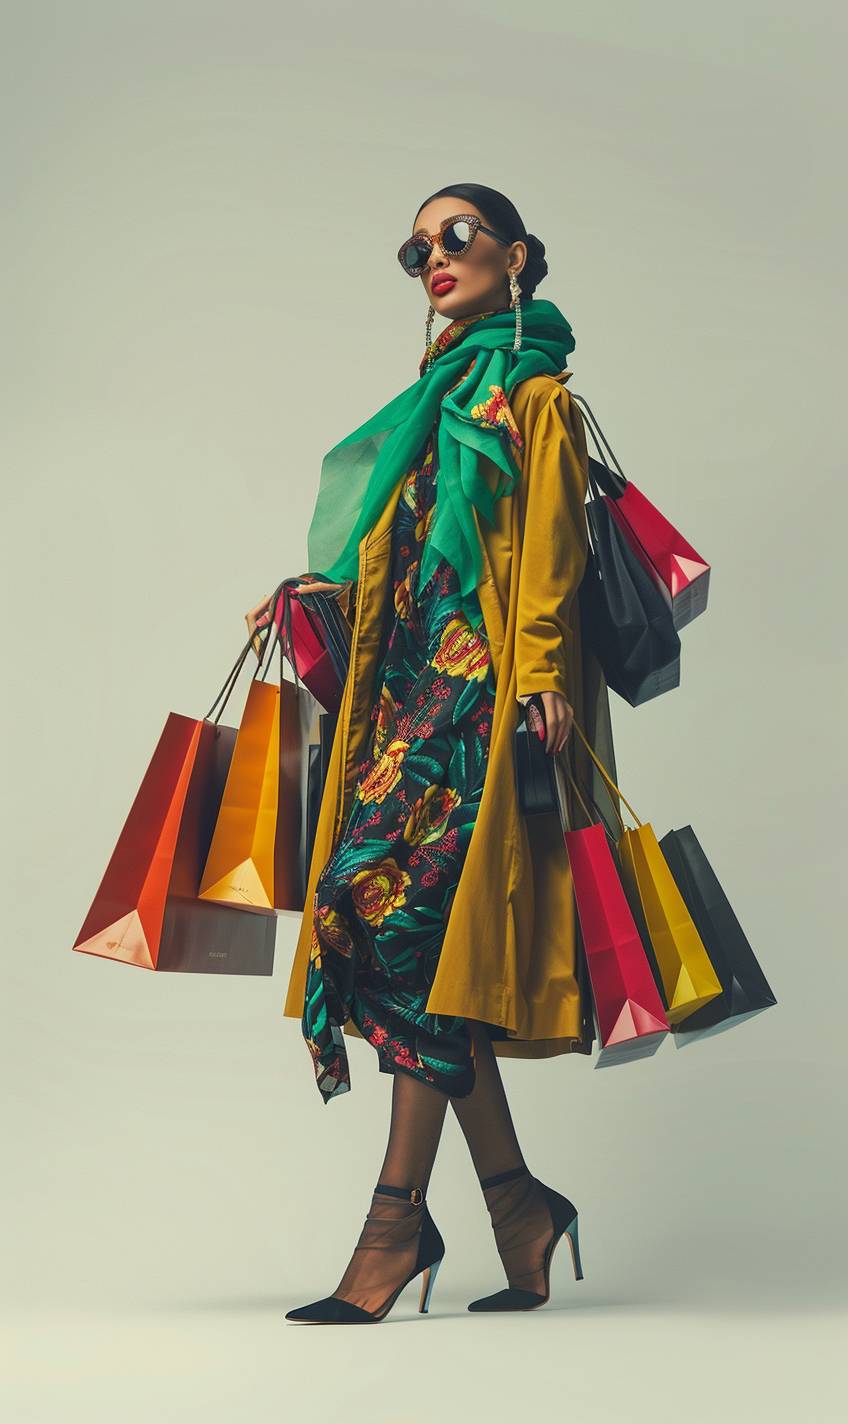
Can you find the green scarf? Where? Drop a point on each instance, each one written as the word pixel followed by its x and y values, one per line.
pixel 465 378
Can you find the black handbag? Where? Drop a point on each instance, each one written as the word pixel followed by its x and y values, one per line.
pixel 624 617
pixel 535 787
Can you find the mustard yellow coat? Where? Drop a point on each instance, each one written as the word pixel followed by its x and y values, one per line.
pixel 509 951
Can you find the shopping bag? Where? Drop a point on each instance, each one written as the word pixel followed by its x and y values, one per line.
pixel 202 937
pixel 678 570
pixel 325 613
pixel 145 910
pixel 588 1012
pixel 254 856
pixel 316 636
pixel 319 760
pixel 631 1019
pixel 688 978
pixel 744 988
pixel 624 617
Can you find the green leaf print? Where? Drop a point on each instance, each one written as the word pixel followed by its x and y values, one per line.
pixel 466 701
pixel 475 770
pixel 426 768
pixel 402 920
pixel 456 767
pixel 351 857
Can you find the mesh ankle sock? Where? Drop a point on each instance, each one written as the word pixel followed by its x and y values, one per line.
pixel 385 1253
pixel 521 1220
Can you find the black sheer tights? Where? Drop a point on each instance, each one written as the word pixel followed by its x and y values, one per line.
pixel 388 1243
pixel 519 1213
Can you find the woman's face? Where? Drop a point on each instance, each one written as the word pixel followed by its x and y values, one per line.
pixel 480 275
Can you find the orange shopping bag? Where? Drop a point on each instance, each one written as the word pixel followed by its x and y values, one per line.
pixel 145 911
pixel 254 859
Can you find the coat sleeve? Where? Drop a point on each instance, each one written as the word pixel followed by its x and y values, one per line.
pixel 554 539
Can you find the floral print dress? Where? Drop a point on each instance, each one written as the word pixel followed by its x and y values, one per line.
pixel 383 898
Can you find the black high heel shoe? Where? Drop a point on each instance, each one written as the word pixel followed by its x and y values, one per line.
pixel 564 1219
pixel 334 1310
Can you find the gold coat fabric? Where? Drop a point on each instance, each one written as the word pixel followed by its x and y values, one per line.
pixel 509 951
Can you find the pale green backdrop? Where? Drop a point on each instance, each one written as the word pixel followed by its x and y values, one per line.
pixel 201 208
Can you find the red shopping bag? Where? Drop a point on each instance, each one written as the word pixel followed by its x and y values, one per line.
pixel 306 648
pixel 630 1016
pixel 143 911
pixel 679 571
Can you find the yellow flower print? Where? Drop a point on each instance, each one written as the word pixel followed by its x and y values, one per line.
pixel 403 593
pixel 461 651
pixel 409 489
pixel 334 932
pixel 378 891
pixel 429 815
pixel 384 775
pixel 496 413
pixel 386 719
pixel 409 493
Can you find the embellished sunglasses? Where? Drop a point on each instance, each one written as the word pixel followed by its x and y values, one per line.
pixel 454 237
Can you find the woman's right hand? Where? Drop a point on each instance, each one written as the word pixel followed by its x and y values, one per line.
pixel 317 586
pixel 258 617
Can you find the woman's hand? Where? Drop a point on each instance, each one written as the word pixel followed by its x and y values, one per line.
pixel 559 715
pixel 318 586
pixel 257 618
pixel 260 616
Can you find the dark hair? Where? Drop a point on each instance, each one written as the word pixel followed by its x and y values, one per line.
pixel 502 215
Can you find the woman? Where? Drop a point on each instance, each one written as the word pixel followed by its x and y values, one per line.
pixel 440 925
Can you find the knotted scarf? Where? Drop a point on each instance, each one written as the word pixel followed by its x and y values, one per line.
pixel 465 377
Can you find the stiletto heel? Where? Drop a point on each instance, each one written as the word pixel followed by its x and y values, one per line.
pixel 571 1233
pixel 335 1310
pixel 564 1219
pixel 428 1280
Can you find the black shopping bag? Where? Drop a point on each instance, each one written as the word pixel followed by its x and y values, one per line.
pixel 624 617
pixel 745 989
pixel 319 758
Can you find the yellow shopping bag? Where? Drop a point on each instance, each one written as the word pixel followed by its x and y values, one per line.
pixel 254 855
pixel 688 978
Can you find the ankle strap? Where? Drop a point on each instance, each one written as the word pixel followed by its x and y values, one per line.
pixel 503 1176
pixel 412 1194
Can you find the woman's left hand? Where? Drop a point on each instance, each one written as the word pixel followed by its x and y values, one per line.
pixel 559 715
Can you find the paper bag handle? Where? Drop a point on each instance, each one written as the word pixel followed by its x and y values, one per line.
pixel 604 773
pixel 232 677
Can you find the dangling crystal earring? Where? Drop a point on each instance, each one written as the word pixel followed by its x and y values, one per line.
pixel 428 332
pixel 515 303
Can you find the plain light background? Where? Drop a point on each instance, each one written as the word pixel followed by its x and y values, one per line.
pixel 201 208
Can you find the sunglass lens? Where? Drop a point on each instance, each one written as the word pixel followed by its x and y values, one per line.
pixel 457 236
pixel 414 255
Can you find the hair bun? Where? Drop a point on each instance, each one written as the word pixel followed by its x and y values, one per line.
pixel 536 267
